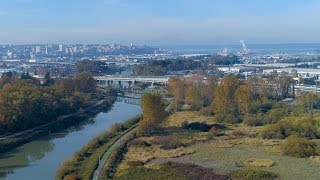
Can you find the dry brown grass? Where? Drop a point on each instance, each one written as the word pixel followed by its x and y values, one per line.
pixel 259 162
pixel 315 159
pixel 246 130
pixel 189 116
pixel 145 154
pixel 148 153
pixel 188 137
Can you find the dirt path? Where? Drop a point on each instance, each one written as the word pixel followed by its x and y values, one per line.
pixel 106 155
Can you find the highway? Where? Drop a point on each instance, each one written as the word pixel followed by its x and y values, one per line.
pixel 132 79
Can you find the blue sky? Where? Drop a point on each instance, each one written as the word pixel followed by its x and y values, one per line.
pixel 159 21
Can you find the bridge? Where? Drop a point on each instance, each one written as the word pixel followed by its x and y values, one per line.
pixel 129 100
pixel 130 79
pixel 301 89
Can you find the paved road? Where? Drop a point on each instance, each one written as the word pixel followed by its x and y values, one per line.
pixel 106 155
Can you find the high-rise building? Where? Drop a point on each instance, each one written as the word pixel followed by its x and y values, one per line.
pixel 61 48
pixel 38 49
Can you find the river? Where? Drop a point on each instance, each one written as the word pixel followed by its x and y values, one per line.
pixel 41 158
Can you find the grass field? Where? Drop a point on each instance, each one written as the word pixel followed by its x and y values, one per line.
pixel 190 116
pixel 226 160
pixel 238 148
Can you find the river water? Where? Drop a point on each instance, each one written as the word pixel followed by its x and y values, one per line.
pixel 39 159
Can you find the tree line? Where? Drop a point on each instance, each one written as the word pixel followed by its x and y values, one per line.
pixel 26 103
pixel 95 67
pixel 162 67
pixel 229 98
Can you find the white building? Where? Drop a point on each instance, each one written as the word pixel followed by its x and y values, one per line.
pixel 38 49
pixel 302 72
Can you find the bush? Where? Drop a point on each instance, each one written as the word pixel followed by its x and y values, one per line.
pixel 135 163
pixel 197 126
pixel 253 120
pixel 265 107
pixel 214 130
pixel 238 133
pixel 184 125
pixel 231 119
pixel 249 174
pixel 138 143
pixel 299 147
pixel 71 177
pixel 301 126
pixel 275 115
pixel 167 142
pixel 206 111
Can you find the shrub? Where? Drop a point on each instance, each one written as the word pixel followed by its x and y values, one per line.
pixel 265 107
pixel 138 143
pixel 299 147
pixel 214 130
pixel 115 128
pixel 238 133
pixel 231 119
pixel 184 125
pixel 251 120
pixel 254 119
pixel 249 174
pixel 301 126
pixel 135 163
pixel 206 111
pixel 275 115
pixel 167 142
pixel 71 177
pixel 198 126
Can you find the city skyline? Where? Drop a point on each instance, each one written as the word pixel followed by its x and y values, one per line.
pixel 158 23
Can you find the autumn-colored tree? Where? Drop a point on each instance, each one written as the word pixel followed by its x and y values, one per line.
pixel 176 88
pixel 84 82
pixel 244 98
pixel 193 98
pixel 225 106
pixel 25 104
pixel 208 91
pixel 310 101
pixel 153 110
pixel 284 83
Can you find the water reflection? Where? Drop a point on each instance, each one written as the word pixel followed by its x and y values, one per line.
pixel 40 159
pixel 24 155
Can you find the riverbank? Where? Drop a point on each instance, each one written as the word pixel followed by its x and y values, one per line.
pixel 12 141
pixel 83 163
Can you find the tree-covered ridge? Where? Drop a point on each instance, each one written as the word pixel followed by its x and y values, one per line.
pixel 95 67
pixel 25 103
pixel 162 67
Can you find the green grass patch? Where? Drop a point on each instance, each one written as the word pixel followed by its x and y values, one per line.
pixel 249 174
pixel 227 160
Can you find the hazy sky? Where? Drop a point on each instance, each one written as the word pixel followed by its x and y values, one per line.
pixel 159 21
